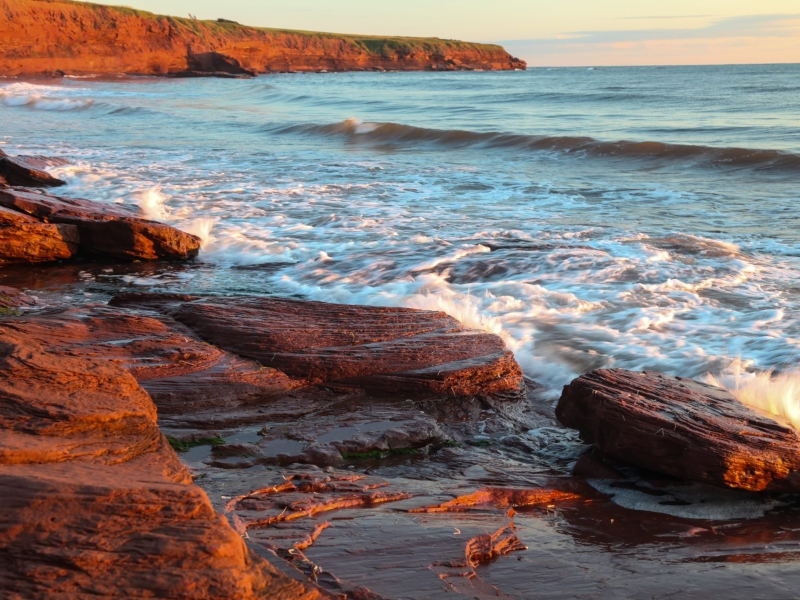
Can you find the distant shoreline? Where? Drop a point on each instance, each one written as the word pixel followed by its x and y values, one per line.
pixel 39 39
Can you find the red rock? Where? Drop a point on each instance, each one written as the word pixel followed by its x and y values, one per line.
pixel 11 298
pixel 20 170
pixel 39 37
pixel 682 428
pixel 101 505
pixel 24 239
pixel 384 350
pixel 499 498
pixel 191 382
pixel 105 230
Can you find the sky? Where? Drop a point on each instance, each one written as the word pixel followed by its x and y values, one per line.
pixel 544 32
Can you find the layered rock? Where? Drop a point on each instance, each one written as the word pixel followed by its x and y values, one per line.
pixel 40 37
pixel 101 505
pixel 58 224
pixel 25 239
pixel 25 171
pixel 387 351
pixel 193 383
pixel 682 428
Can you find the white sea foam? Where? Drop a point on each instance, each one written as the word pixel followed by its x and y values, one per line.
pixel 152 203
pixel 40 97
pixel 775 393
pixel 691 501
pixel 500 251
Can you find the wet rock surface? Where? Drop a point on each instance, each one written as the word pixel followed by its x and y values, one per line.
pixel 24 239
pixel 382 350
pixel 25 171
pixel 192 383
pixel 487 508
pixel 101 505
pixel 682 428
pixel 83 225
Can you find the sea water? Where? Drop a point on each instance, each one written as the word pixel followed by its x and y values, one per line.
pixel 643 218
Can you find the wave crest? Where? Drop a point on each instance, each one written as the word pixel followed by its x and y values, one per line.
pixel 357 131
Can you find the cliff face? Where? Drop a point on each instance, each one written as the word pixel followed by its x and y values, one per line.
pixel 46 36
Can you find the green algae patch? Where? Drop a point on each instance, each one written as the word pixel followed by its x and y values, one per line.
pixel 185 446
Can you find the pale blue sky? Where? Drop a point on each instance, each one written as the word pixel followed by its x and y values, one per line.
pixel 544 32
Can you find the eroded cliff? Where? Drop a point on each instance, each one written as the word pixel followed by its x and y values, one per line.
pixel 50 36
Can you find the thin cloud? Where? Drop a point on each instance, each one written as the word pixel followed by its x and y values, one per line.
pixel 665 17
pixel 746 39
pixel 766 26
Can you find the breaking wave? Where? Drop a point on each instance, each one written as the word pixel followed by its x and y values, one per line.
pixel 39 97
pixel 356 131
pixel 767 391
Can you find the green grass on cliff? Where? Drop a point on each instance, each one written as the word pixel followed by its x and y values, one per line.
pixel 372 44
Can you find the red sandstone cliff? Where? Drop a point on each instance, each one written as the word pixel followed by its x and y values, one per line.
pixel 46 36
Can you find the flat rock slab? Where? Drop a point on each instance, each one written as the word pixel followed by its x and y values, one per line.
pixel 98 504
pixel 102 230
pixel 683 428
pixel 385 350
pixel 25 171
pixel 192 383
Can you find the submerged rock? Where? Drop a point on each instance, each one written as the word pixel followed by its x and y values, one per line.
pixel 386 351
pixel 98 229
pixel 101 505
pixel 682 428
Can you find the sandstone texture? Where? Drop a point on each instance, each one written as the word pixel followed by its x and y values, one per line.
pixel 386 351
pixel 191 382
pixel 96 503
pixel 682 428
pixel 25 239
pixel 59 36
pixel 36 226
pixel 25 171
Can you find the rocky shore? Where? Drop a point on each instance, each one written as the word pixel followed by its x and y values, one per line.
pixel 196 446
pixel 62 37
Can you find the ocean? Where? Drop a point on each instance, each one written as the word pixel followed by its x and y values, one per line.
pixel 643 218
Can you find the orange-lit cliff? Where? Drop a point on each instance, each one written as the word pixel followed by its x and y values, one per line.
pixel 48 36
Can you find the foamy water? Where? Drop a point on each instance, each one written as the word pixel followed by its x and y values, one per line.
pixel 560 210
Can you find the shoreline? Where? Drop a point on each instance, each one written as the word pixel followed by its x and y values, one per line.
pixel 316 430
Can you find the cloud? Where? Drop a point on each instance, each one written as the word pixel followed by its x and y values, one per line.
pixel 646 17
pixel 756 38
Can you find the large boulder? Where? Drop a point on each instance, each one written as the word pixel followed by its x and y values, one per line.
pixel 24 239
pixel 385 350
pixel 97 504
pixel 104 230
pixel 25 171
pixel 682 428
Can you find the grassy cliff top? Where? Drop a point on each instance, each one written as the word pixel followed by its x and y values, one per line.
pixel 373 44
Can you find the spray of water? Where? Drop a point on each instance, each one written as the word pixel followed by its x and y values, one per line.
pixel 201 228
pixel 152 204
pixel 778 394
